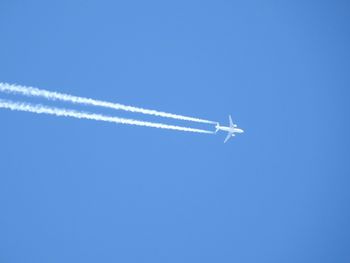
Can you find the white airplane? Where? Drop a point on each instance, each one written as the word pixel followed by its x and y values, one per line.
pixel 231 130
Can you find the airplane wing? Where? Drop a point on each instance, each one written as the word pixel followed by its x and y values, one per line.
pixel 229 135
pixel 231 122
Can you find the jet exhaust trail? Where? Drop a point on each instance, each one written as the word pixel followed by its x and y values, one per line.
pixel 50 95
pixel 41 109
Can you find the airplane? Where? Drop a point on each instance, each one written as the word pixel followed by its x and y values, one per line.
pixel 232 129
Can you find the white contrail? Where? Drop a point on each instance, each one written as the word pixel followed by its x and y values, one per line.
pixel 40 109
pixel 50 95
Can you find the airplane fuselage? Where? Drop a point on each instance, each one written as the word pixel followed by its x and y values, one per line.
pixel 229 129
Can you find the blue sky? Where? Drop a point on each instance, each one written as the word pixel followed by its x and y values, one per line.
pixel 83 191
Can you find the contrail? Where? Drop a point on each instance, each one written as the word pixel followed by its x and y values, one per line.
pixel 40 109
pixel 50 95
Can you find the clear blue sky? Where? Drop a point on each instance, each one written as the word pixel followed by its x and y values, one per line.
pixel 82 191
